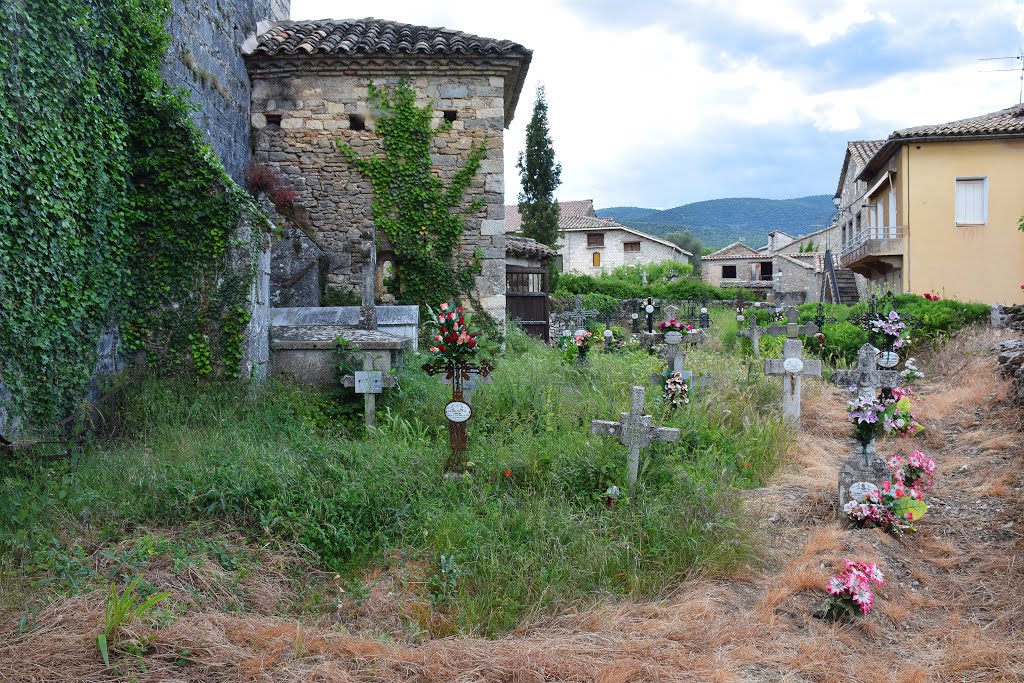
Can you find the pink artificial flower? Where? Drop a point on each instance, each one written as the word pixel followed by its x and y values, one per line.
pixel 444 306
pixel 434 349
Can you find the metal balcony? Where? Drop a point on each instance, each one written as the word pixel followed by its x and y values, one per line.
pixel 871 244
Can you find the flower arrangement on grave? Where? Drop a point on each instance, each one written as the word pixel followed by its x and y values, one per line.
pixel 819 338
pixel 675 326
pixel 850 593
pixel 892 329
pixel 894 509
pixel 911 373
pixel 456 342
pixel 675 390
pixel 872 418
pixel 583 340
pixel 914 471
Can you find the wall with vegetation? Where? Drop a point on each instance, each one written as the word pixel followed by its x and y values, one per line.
pixel 205 59
pixel 114 212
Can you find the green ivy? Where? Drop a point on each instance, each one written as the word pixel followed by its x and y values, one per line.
pixel 410 202
pixel 113 211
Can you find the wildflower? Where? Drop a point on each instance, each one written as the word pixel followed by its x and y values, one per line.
pixel 508 473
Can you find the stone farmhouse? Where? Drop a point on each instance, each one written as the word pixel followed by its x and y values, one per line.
pixel 310 85
pixel 935 209
pixel 788 270
pixel 593 245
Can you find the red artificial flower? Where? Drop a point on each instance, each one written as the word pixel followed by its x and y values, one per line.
pixel 442 349
pixel 440 317
pixel 459 309
pixel 462 321
pixel 451 316
pixel 472 343
pixel 508 473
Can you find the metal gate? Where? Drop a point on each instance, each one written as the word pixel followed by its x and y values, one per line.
pixel 526 299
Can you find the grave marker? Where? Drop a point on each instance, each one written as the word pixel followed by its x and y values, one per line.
pixel 863 464
pixel 791 367
pixel 754 334
pixel 635 431
pixel 369 382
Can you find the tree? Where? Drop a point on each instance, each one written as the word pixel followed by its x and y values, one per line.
pixel 685 240
pixel 540 176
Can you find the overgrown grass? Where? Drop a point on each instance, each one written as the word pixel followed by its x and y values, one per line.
pixel 528 531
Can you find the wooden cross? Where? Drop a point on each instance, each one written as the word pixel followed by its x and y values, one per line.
pixel 635 431
pixel 369 382
pixel 791 367
pixel 754 334
pixel 458 411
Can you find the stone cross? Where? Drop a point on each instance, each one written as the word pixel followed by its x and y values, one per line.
pixel 671 311
pixel 579 316
pixel 368 309
pixel 791 367
pixel 369 382
pixel 754 334
pixel 863 465
pixel 635 431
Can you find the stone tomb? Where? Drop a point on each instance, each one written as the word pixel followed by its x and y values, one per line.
pixel 306 353
pixel 864 463
pixel 792 366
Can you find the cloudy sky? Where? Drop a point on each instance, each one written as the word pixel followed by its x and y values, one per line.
pixel 658 103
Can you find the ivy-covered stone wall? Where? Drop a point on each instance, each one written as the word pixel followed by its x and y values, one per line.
pixel 117 219
pixel 205 58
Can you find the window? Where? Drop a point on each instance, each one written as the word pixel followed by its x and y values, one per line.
pixel 450 115
pixel 631 247
pixel 273 119
pixel 728 272
pixel 971 201
pixel 595 239
pixel 597 259
pixel 892 207
pixel 356 122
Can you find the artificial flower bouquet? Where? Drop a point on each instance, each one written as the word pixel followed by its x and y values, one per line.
pixel 850 593
pixel 871 418
pixel 910 372
pixel 455 341
pixel 892 329
pixel 675 326
pixel 914 471
pixel 894 509
pixel 676 390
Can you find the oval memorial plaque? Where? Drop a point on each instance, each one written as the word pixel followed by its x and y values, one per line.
pixel 649 308
pixel 862 489
pixel 888 359
pixel 673 337
pixel 793 365
pixel 457 411
pixel 740 318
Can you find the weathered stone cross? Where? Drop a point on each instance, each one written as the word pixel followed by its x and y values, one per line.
pixel 635 431
pixel 754 334
pixel 791 367
pixel 863 465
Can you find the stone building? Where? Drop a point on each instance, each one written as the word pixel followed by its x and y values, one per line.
pixel 310 85
pixel 592 245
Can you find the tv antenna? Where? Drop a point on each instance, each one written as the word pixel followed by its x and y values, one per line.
pixel 1020 68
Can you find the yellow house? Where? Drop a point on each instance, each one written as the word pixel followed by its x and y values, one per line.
pixel 940 210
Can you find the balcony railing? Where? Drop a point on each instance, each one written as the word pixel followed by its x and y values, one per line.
pixel 872 242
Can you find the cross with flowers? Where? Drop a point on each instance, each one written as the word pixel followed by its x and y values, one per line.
pixel 459 354
pixel 579 315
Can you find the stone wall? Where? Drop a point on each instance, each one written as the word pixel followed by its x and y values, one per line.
pixel 205 58
pixel 577 257
pixel 297 115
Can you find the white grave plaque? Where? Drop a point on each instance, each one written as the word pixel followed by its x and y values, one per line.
pixel 457 411
pixel 673 337
pixel 888 359
pixel 649 308
pixel 862 489
pixel 369 381
pixel 793 366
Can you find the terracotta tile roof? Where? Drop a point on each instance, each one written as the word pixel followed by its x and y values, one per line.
pixel 524 247
pixel 860 152
pixel 376 36
pixel 581 207
pixel 382 38
pixel 1005 123
pixel 736 250
pixel 571 222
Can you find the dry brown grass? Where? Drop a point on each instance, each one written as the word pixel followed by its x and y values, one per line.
pixel 963 621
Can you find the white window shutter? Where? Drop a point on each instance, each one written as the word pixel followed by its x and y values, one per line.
pixel 971 201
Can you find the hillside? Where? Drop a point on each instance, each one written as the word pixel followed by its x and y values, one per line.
pixel 718 222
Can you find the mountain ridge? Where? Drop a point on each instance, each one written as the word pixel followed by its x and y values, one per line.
pixel 719 222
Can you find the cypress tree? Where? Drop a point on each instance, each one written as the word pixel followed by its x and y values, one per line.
pixel 540 176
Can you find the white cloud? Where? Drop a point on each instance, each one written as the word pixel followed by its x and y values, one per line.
pixel 619 97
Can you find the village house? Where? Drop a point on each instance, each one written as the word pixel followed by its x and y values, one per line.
pixel 310 84
pixel 592 245
pixel 788 270
pixel 936 208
